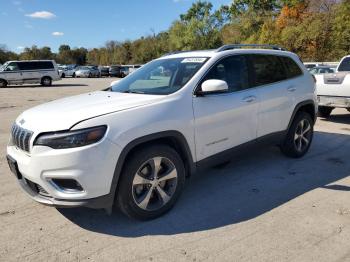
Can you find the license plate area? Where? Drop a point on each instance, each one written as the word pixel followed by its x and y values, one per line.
pixel 13 167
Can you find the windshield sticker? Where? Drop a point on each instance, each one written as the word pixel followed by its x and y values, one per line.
pixel 194 60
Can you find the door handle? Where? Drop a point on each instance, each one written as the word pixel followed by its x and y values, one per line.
pixel 249 99
pixel 291 89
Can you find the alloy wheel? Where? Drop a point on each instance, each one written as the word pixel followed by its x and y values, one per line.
pixel 154 183
pixel 302 135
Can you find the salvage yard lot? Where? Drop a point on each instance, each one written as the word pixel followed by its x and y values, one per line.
pixel 261 207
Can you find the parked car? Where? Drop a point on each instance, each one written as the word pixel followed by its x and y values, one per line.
pixel 67 70
pixel 116 71
pixel 137 142
pixel 128 69
pixel 333 90
pixel 29 72
pixel 104 70
pixel 321 70
pixel 310 65
pixel 87 71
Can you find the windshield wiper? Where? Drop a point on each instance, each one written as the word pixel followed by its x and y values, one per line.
pixel 133 92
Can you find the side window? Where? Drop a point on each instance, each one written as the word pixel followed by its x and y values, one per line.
pixel 268 69
pixel 25 66
pixel 345 65
pixel 233 70
pixel 293 70
pixel 12 67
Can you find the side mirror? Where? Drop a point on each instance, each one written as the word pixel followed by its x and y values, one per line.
pixel 213 86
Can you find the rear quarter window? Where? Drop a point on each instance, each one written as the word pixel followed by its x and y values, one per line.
pixel 292 68
pixel 267 69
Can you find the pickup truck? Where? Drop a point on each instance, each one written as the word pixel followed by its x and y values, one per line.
pixel 333 90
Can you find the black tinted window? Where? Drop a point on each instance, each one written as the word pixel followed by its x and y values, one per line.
pixel 35 65
pixel 233 70
pixel 292 68
pixel 268 69
pixel 345 65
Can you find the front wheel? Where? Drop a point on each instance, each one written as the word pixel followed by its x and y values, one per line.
pixel 151 182
pixel 3 83
pixel 325 111
pixel 299 137
pixel 46 81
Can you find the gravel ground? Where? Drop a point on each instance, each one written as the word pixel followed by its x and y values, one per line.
pixel 260 207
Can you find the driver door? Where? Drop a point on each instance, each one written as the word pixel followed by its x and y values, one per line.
pixel 226 120
pixel 13 74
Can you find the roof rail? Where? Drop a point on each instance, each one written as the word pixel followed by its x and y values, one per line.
pixel 237 46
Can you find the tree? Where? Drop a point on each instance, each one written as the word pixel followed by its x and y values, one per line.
pixel 6 55
pixel 199 28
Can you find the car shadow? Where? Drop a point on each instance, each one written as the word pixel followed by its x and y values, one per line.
pixel 338 118
pixel 246 188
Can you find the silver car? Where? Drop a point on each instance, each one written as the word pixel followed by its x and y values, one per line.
pixel 88 71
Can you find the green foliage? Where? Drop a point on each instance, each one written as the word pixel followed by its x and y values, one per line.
pixel 6 55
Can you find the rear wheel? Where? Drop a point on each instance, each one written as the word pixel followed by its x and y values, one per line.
pixel 3 83
pixel 299 137
pixel 63 76
pixel 151 182
pixel 325 111
pixel 90 75
pixel 46 81
pixel 73 75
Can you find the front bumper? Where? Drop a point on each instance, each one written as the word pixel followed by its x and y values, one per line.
pixel 334 101
pixel 91 166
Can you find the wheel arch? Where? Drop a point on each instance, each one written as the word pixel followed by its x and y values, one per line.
pixel 2 79
pixel 307 106
pixel 173 138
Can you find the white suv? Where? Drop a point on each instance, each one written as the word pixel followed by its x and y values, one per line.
pixel 135 143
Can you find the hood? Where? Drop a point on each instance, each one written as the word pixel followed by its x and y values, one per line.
pixel 62 114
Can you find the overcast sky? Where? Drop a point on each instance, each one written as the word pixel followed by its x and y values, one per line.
pixel 86 23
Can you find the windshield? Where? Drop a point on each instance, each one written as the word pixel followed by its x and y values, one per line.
pixel 160 77
pixel 3 66
pixel 84 68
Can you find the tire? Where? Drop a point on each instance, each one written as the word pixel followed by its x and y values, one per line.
pixel 299 136
pixel 73 75
pixel 90 75
pixel 3 83
pixel 63 76
pixel 143 196
pixel 46 81
pixel 324 111
pixel 348 109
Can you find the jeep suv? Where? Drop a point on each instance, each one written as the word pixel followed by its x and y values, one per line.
pixel 135 143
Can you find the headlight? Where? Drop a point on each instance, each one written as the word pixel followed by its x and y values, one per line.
pixel 70 139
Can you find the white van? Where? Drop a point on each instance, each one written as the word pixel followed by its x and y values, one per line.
pixel 29 72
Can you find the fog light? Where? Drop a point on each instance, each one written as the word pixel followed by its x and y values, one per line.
pixel 67 185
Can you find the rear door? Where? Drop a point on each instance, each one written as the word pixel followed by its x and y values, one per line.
pixel 226 120
pixel 275 78
pixel 28 72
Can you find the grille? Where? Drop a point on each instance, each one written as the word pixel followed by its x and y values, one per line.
pixel 21 137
